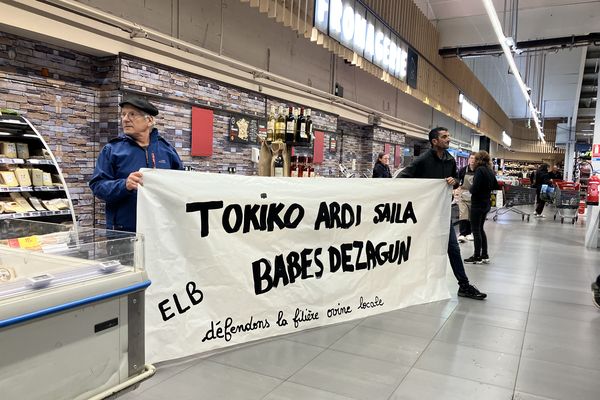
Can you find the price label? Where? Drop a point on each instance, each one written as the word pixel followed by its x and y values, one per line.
pixel 30 242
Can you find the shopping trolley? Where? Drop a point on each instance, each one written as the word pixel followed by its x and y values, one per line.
pixel 515 196
pixel 566 200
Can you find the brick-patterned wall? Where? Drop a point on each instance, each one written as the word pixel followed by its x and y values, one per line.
pixel 381 137
pixel 57 89
pixel 75 108
pixel 175 92
pixel 354 143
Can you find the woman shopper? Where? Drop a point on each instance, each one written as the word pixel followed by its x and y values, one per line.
pixel 381 168
pixel 484 182
pixel 465 177
pixel 541 178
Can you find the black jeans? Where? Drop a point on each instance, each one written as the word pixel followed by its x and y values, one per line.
pixel 478 214
pixel 456 261
pixel 539 207
pixel 464 227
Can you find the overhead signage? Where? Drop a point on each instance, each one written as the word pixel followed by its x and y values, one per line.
pixel 507 140
pixel 358 29
pixel 255 257
pixel 468 110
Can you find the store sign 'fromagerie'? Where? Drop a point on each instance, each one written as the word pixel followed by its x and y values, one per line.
pixel 234 259
pixel 358 29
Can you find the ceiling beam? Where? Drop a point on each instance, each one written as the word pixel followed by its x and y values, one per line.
pixel 564 42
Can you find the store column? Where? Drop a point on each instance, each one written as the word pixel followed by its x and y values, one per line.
pixel 593 212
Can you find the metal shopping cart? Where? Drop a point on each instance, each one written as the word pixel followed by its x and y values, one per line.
pixel 566 200
pixel 512 196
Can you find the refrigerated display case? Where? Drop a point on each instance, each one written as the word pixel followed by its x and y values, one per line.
pixel 71 311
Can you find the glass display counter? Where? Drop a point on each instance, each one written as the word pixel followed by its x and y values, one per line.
pixel 71 311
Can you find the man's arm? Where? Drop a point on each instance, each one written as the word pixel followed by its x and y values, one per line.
pixel 453 178
pixel 104 183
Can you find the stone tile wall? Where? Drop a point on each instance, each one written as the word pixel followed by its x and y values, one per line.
pixel 72 98
pixel 62 93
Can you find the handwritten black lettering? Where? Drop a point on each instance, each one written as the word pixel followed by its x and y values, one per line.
pixel 286 270
pixel 194 295
pixel 229 329
pixel 304 316
pixel 336 215
pixel 376 302
pixel 203 207
pixel 281 321
pixel 338 311
pixel 393 213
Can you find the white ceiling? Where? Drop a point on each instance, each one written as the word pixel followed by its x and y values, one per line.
pixel 465 23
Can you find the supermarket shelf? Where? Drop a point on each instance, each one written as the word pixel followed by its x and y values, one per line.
pixel 31 189
pixel 33 214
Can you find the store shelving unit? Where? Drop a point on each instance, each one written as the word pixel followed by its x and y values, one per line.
pixel 17 129
pixel 519 168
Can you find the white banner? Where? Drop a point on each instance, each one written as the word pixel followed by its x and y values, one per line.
pixel 237 258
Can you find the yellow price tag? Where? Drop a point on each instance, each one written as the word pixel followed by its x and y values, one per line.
pixel 30 243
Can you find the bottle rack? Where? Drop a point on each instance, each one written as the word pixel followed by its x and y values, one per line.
pixel 29 154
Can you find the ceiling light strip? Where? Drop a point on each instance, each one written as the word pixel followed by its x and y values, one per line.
pixel 489 7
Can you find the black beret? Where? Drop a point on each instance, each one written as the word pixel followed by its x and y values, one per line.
pixel 141 104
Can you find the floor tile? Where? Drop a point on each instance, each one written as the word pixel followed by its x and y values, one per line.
pixel 440 309
pixel 382 345
pixel 209 380
pixel 565 310
pixel 551 293
pixel 322 337
pixel 276 358
pixel 484 366
pixel 578 353
pixel 468 332
pixel 557 381
pixel 294 391
pixel 420 384
pixel 166 371
pixel 484 312
pixel 527 396
pixel 351 375
pixel 563 329
pixel 407 323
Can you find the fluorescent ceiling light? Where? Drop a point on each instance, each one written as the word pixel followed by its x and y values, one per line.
pixel 506 139
pixel 489 7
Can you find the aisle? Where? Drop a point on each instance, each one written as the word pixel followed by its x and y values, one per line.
pixel 536 337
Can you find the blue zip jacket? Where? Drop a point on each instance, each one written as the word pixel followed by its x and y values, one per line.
pixel 120 157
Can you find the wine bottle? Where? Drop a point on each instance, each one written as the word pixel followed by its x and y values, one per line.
pixel 290 127
pixel 271 125
pixel 301 128
pixel 308 127
pixel 294 167
pixel 280 126
pixel 301 166
pixel 310 167
pixel 278 164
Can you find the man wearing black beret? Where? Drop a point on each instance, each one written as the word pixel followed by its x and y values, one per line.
pixel 117 176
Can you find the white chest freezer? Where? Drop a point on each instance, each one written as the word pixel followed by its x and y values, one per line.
pixel 71 311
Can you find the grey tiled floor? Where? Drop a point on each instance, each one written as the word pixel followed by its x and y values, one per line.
pixel 536 337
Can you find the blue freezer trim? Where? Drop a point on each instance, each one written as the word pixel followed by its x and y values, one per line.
pixel 67 306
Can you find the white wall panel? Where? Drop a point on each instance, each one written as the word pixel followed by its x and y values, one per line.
pixel 240 32
pixel 153 13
